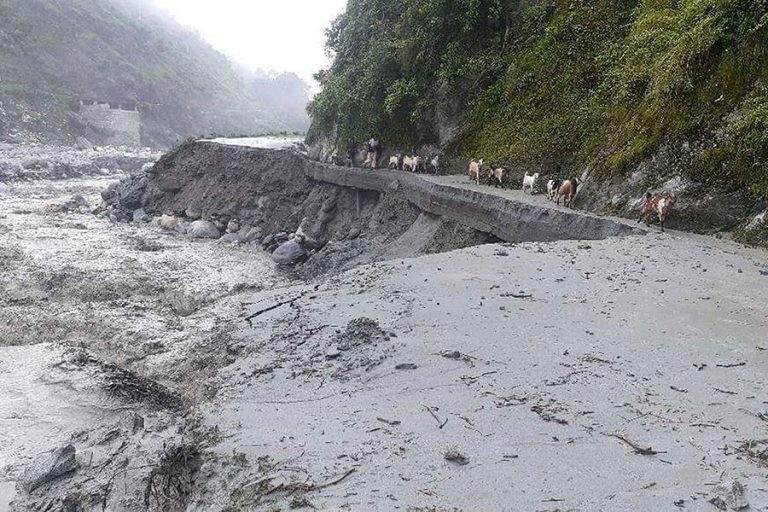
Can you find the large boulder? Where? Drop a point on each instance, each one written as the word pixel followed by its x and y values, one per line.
pixel 203 229
pixel 130 191
pixel 59 463
pixel 290 253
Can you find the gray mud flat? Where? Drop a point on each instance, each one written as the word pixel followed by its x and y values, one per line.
pixel 540 363
pixel 620 374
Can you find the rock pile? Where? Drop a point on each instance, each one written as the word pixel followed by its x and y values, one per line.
pixel 23 163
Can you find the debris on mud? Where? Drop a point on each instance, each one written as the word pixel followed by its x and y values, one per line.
pixel 128 386
pixel 756 450
pixel 455 354
pixel 548 411
pixel 170 484
pixel 361 345
pixel 360 332
pixel 433 412
pixel 730 495
pixel 453 454
pixel 640 450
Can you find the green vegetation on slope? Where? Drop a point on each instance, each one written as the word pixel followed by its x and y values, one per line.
pixel 601 83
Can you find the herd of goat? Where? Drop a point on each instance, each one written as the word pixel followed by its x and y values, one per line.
pixel 557 189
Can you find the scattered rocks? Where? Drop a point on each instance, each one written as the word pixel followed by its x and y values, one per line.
pixel 203 229
pixel 59 463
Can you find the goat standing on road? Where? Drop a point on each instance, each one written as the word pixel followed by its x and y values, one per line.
pixel 553 187
pixel 530 181
pixel 660 205
pixel 474 170
pixel 568 191
pixel 435 163
pixel 499 177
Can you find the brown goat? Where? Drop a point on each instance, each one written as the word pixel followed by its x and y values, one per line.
pixel 568 191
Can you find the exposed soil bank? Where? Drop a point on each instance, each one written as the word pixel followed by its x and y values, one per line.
pixel 352 216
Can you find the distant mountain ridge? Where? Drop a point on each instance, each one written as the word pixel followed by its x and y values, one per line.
pixel 55 54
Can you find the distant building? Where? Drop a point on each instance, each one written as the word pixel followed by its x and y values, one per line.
pixel 112 124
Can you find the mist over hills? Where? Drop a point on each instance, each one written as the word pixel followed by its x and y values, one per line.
pixel 55 54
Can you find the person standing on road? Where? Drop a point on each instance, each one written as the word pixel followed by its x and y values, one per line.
pixel 351 152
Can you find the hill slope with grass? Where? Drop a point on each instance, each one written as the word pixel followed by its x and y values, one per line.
pixel 55 53
pixel 635 95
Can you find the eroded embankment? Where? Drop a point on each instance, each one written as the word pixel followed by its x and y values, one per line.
pixel 350 216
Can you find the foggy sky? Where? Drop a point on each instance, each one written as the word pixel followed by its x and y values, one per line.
pixel 279 35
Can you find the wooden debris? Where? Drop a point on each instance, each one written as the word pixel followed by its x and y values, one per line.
pixel 432 411
pixel 731 365
pixel 636 447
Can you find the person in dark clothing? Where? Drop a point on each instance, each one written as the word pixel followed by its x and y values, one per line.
pixel 351 152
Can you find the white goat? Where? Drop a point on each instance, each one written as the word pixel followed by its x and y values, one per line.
pixel 530 181
pixel 435 163
pixel 418 164
pixel 474 170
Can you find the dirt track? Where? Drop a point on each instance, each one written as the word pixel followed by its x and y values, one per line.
pixel 527 359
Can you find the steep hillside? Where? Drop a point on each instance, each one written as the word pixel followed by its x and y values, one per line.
pixel 654 94
pixel 55 53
